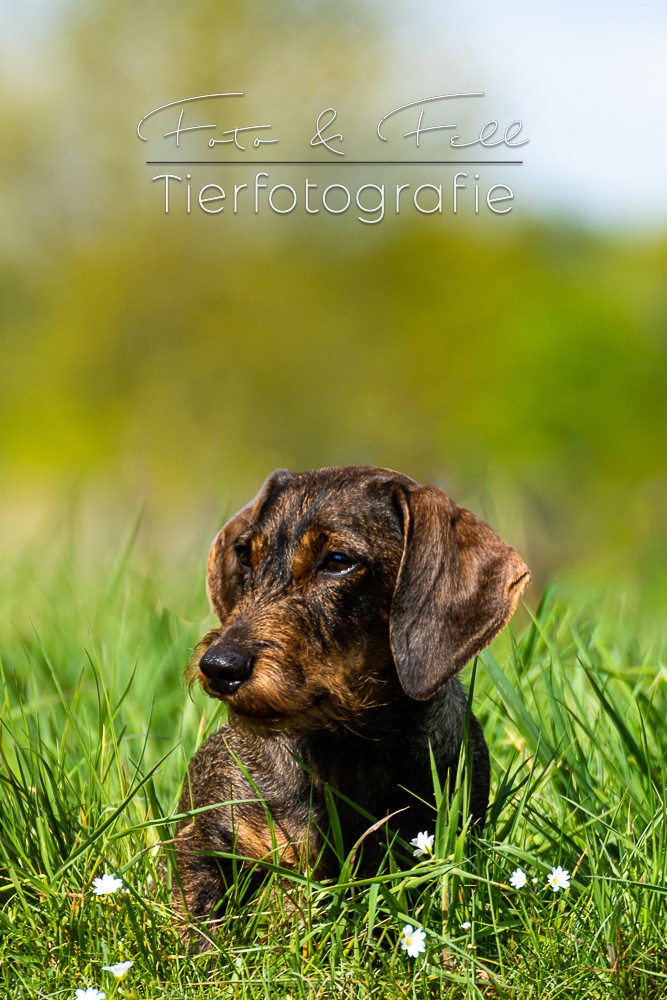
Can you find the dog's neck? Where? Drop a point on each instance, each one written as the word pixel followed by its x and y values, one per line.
pixel 388 740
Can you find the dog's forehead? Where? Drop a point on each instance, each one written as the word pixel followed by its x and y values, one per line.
pixel 353 499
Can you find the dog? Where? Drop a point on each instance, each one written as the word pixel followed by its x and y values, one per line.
pixel 348 599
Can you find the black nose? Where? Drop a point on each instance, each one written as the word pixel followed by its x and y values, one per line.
pixel 226 668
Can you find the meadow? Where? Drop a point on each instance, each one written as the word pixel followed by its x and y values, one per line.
pixel 171 361
pixel 98 726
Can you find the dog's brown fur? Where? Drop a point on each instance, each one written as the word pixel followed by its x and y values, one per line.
pixel 348 599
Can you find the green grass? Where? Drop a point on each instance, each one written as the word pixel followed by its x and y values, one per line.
pixel 97 728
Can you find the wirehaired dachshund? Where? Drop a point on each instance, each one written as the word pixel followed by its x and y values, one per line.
pixel 348 599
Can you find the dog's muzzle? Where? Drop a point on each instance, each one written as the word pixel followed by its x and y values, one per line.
pixel 225 668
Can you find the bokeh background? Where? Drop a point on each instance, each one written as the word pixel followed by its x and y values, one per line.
pixel 163 365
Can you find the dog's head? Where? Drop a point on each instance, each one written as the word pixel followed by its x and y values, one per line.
pixel 339 590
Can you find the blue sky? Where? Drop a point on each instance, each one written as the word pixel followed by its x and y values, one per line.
pixel 589 80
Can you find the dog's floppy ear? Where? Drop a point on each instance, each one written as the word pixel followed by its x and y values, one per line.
pixel 220 582
pixel 458 585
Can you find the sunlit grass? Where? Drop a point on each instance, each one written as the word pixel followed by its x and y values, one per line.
pixel 96 732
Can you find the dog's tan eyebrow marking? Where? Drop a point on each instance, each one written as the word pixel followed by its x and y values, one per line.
pixel 255 543
pixel 308 550
pixel 318 540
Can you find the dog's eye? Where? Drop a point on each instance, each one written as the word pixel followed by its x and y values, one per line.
pixel 243 557
pixel 336 563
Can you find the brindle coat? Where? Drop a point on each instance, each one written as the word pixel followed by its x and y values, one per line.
pixel 348 600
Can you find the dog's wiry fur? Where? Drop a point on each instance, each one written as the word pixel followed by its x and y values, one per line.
pixel 348 600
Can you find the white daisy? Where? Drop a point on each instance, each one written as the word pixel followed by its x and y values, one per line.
pixel 423 844
pixel 413 940
pixel 89 994
pixel 466 925
pixel 518 878
pixel 119 970
pixel 558 879
pixel 106 885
